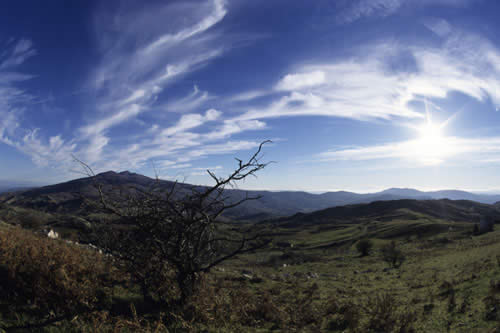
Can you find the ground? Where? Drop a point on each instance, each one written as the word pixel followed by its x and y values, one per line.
pixel 311 278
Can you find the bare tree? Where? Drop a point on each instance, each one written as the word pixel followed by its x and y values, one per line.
pixel 175 234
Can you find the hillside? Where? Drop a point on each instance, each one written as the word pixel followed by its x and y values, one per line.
pixel 69 197
pixel 408 209
pixel 310 255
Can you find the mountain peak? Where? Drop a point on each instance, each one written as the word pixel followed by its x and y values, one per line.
pixel 402 191
pixel 114 173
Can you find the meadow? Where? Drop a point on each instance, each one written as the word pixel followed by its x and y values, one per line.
pixel 308 279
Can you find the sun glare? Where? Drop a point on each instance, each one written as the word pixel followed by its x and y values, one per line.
pixel 430 132
pixel 431 147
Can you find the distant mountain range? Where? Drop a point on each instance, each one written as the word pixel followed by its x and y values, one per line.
pixel 8 186
pixel 68 197
pixel 444 194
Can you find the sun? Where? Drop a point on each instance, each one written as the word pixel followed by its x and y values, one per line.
pixel 430 132
pixel 432 146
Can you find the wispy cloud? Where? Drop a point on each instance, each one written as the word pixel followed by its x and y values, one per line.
pixel 131 82
pixel 143 59
pixel 191 102
pixel 439 26
pixel 382 80
pixel 234 126
pixel 358 9
pixel 301 80
pixel 18 54
pixel 142 54
pixel 14 102
pixel 482 150
pixel 190 121
pixel 45 153
pixel 218 13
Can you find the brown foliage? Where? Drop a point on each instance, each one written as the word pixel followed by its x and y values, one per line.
pixel 384 316
pixel 49 278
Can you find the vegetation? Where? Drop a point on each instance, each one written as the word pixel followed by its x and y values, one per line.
pixel 174 237
pixel 166 261
pixel 364 247
pixel 50 280
pixel 443 286
pixel 392 254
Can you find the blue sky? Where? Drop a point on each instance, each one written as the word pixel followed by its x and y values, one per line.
pixel 356 95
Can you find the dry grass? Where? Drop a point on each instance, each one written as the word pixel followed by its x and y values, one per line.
pixel 47 278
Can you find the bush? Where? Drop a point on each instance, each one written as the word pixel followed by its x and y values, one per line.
pixel 392 255
pixel 384 316
pixel 492 301
pixel 44 276
pixel 364 247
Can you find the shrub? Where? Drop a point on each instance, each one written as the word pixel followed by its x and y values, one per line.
pixel 340 317
pixel 492 301
pixel 392 254
pixel 47 276
pixel 364 247
pixel 384 316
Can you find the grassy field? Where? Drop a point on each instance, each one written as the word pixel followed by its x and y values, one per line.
pixel 310 279
pixel 446 280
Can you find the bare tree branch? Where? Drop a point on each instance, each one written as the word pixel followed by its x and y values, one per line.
pixel 177 229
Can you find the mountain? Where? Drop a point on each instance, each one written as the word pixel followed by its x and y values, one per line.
pixel 404 192
pixel 70 197
pixel 445 194
pixel 8 185
pixel 404 209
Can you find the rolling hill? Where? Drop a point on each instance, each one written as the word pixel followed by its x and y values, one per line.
pixel 403 209
pixel 69 197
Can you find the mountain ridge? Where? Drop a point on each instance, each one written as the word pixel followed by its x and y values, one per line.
pixel 64 197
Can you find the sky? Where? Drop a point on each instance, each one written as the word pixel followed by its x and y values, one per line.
pixel 357 95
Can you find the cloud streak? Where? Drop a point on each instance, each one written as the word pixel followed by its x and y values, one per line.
pixel 132 82
pixel 15 101
pixel 383 80
pixel 482 150
pixel 359 9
